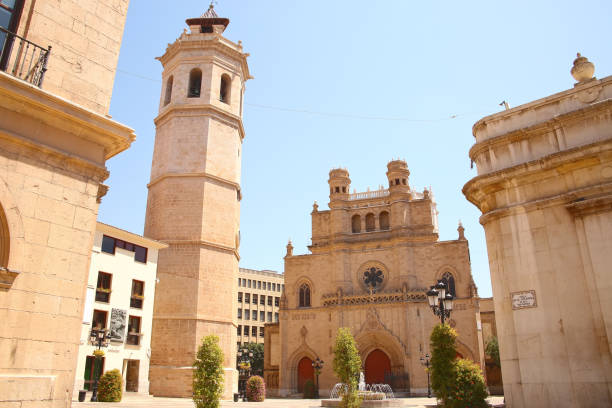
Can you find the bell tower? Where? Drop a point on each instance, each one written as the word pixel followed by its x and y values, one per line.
pixel 194 202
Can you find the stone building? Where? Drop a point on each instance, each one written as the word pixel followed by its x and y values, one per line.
pixel 544 187
pixel 194 202
pixel 373 257
pixel 55 138
pixel 259 294
pixel 122 279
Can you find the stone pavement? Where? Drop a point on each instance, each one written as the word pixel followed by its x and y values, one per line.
pixel 144 401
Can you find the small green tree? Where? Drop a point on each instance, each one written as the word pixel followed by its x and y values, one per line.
pixel 110 386
pixel 492 350
pixel 470 390
pixel 257 361
pixel 347 366
pixel 208 376
pixel 443 353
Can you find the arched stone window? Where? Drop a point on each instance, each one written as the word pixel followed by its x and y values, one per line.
pixel 449 279
pixel 5 241
pixel 356 223
pixel 305 295
pixel 370 222
pixel 383 218
pixel 195 83
pixel 168 96
pixel 225 88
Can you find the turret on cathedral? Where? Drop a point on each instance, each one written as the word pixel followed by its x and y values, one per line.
pixel 194 202
pixel 373 256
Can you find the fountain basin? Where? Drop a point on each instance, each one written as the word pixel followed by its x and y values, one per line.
pixel 365 403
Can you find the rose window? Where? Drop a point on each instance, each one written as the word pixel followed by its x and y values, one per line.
pixel 373 278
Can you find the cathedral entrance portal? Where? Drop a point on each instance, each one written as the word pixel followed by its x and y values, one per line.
pixel 377 367
pixel 305 372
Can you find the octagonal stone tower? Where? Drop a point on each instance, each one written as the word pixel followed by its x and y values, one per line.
pixel 194 202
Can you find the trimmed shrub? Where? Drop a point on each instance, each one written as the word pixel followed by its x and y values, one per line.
pixel 256 389
pixel 347 366
pixel 309 389
pixel 470 390
pixel 443 353
pixel 208 375
pixel 110 386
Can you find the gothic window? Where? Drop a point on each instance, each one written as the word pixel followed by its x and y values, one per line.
pixel 373 278
pixel 370 222
pixel 384 220
pixel 356 223
pixel 195 83
pixel 305 295
pixel 448 278
pixel 168 96
pixel 225 88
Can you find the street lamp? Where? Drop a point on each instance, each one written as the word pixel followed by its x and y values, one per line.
pixel 101 338
pixel 318 366
pixel 440 301
pixel 426 362
pixel 244 366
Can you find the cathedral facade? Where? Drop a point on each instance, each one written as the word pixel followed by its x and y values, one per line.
pixel 373 257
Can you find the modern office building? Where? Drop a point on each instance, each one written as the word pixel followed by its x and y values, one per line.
pixel 259 294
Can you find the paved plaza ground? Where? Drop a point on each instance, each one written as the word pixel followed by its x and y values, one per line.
pixel 142 401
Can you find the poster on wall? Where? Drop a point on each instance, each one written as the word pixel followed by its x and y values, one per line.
pixel 117 329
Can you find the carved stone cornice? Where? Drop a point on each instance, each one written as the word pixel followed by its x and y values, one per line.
pixel 518 135
pixel 481 189
pixel 199 110
pixel 339 299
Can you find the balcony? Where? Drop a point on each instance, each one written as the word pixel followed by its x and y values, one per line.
pixel 22 58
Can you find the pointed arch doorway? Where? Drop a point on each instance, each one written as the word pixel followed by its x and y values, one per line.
pixel 377 366
pixel 305 372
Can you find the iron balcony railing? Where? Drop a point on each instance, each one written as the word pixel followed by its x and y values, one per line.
pixel 22 58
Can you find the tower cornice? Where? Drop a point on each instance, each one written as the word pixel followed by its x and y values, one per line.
pixel 212 41
pixel 199 110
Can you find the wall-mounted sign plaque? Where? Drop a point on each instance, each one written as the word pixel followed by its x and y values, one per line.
pixel 524 300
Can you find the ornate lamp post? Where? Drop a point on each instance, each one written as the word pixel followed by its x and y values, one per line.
pixel 440 301
pixel 101 338
pixel 318 366
pixel 244 367
pixel 426 362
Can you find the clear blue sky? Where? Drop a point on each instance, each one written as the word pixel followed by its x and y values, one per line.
pixel 381 80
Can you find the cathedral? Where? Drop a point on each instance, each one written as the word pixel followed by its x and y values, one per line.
pixel 372 259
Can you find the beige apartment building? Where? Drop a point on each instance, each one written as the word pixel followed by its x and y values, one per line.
pixel 120 293
pixel 259 294
pixel 57 68
pixel 544 187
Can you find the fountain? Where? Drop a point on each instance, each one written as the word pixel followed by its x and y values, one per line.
pixel 373 395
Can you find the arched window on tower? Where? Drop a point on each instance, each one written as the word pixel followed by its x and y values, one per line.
pixel 370 222
pixel 449 279
pixel 225 88
pixel 195 83
pixel 168 96
pixel 356 223
pixel 305 295
pixel 383 218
